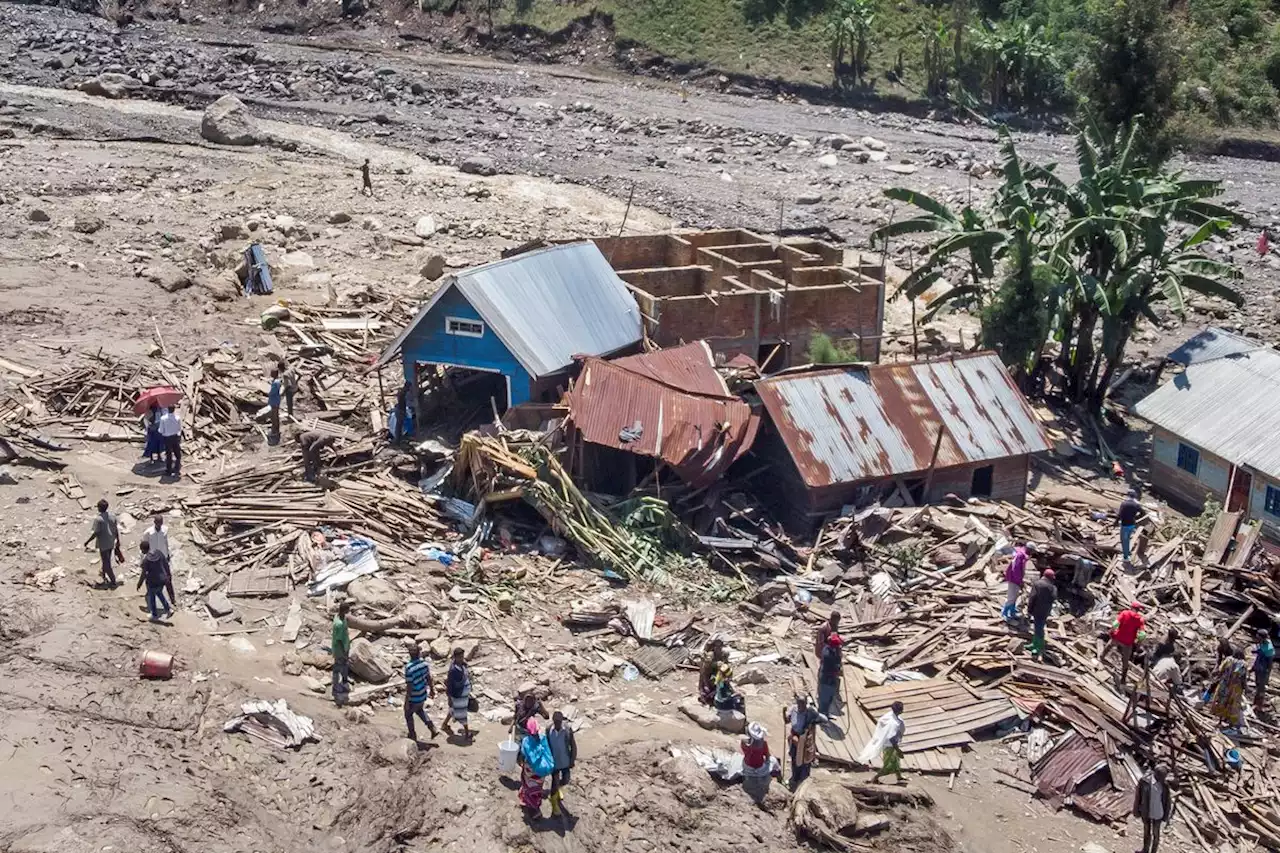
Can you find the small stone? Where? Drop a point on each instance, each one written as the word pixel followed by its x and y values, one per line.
pixel 6 477
pixel 232 231
pixel 242 646
pixel 170 278
pixel 425 226
pixel 315 685
pixel 35 214
pixel 754 675
pixel 339 217
pixel 110 85
pixel 441 648
pixel 433 268
pixel 399 751
pixel 87 224
pixel 872 144
pixel 809 198
pixel 219 604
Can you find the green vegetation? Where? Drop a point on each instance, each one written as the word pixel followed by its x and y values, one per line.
pixel 1102 251
pixel 823 350
pixel 1184 66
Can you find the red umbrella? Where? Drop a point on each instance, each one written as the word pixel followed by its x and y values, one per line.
pixel 162 396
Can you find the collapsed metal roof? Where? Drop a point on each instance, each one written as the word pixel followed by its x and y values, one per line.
pixel 690 367
pixel 1210 344
pixel 861 422
pixel 698 435
pixel 1229 406
pixel 545 306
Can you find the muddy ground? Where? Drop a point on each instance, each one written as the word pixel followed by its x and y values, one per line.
pixel 101 200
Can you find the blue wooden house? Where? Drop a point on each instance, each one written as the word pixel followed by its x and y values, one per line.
pixel 517 324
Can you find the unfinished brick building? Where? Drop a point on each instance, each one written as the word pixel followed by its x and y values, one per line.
pixel 744 293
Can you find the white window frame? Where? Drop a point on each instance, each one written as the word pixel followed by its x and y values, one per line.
pixel 450 330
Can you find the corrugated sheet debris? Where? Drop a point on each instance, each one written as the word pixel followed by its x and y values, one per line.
pixel 862 422
pixel 698 435
pixel 690 367
pixel 273 723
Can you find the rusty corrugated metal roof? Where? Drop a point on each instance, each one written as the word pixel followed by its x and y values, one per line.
pixel 698 435
pixel 690 367
pixel 1074 759
pixel 861 422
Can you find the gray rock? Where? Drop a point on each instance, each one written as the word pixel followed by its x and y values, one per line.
pixel 809 198
pixel 111 85
pixel 375 593
pixel 227 122
pixel 221 287
pixel 828 161
pixel 35 214
pixel 170 278
pixel 87 224
pixel 712 720
pixel 754 675
pixel 441 648
pixel 6 477
pixel 425 226
pixel 470 649
pixel 478 164
pixel 232 231
pixel 367 664
pixel 339 217
pixel 219 604
pixel 315 685
pixel 433 268
pixel 400 751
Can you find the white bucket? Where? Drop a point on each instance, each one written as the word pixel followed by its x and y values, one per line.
pixel 507 752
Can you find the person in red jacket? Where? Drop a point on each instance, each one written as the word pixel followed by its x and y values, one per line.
pixel 1126 632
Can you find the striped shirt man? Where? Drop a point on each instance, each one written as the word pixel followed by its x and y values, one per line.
pixel 417 677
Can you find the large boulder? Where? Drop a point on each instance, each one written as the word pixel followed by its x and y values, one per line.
pixel 111 85
pixel 375 593
pixel 227 122
pixel 478 164
pixel 824 810
pixel 710 719
pixel 367 664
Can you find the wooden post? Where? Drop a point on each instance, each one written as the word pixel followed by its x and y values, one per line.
pixel 933 461
pixel 627 212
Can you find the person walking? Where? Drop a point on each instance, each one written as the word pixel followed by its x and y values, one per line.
pixel 1044 592
pixel 1013 576
pixel 829 672
pixel 457 686
pixel 418 689
pixel 530 792
pixel 891 754
pixel 289 381
pixel 106 532
pixel 273 401
pixel 366 187
pixel 157 536
pixel 1153 805
pixel 1126 632
pixel 564 750
pixel 171 432
pixel 825 630
pixel 1129 513
pixel 802 742
pixel 155 573
pixel 340 646
pixel 528 706
pixel 1264 655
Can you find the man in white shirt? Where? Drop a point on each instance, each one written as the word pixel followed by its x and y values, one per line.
pixel 157 537
pixel 171 432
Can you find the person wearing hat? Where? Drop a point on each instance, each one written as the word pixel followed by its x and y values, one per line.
pixel 830 668
pixel 712 656
pixel 826 629
pixel 1044 592
pixel 1126 632
pixel 726 698
pixel 757 763
pixel 802 744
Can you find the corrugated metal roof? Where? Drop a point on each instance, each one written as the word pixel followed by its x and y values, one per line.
pixel 1229 406
pixel 861 422
pixel 690 367
pixel 684 430
pixel 1210 344
pixel 546 306
pixel 1074 759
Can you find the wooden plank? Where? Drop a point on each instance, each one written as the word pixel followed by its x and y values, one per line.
pixel 1224 529
pixel 20 369
pixel 1244 545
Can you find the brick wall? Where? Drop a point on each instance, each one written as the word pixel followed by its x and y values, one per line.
pixel 667 281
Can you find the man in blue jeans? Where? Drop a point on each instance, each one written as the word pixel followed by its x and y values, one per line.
pixel 1128 515
pixel 155 572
